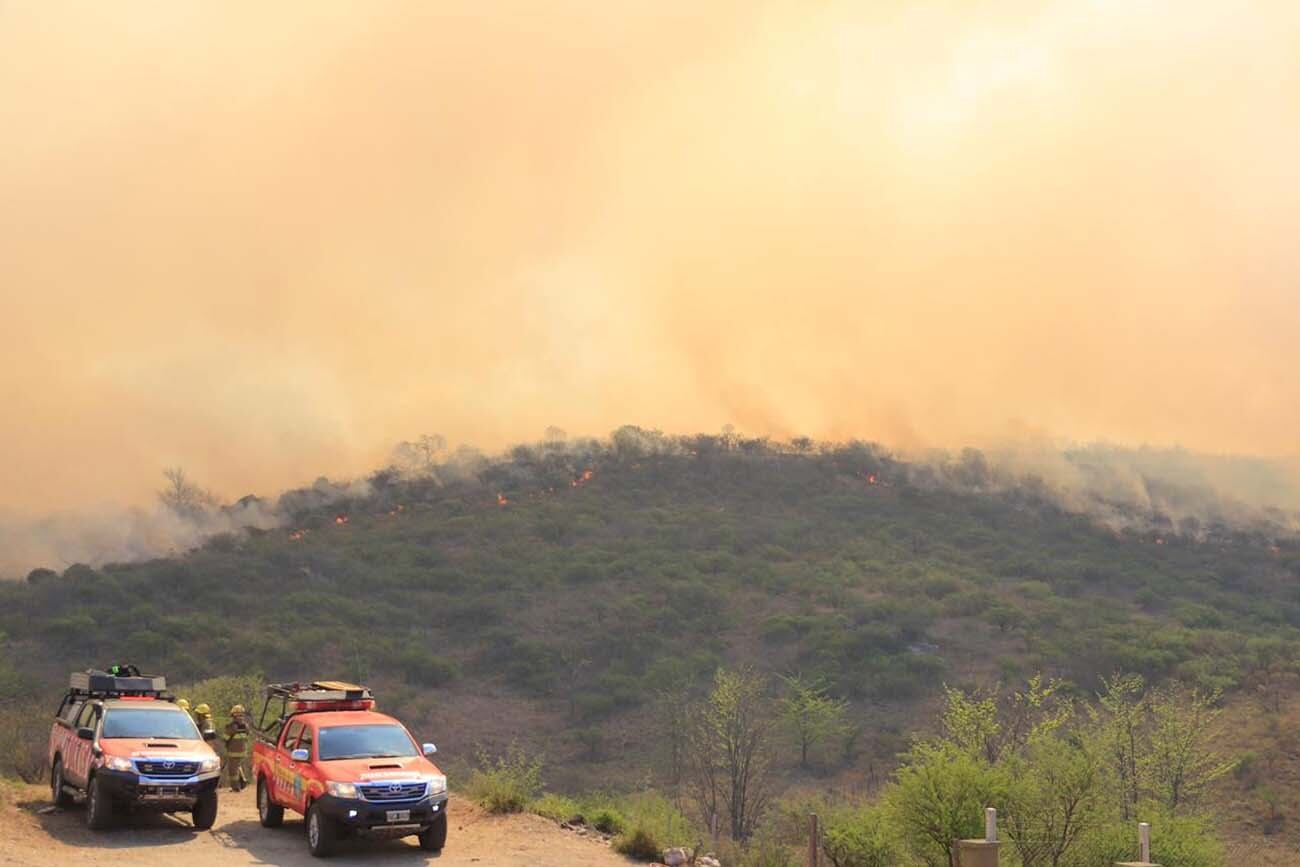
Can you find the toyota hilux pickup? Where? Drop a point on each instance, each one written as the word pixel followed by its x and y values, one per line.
pixel 122 742
pixel 323 751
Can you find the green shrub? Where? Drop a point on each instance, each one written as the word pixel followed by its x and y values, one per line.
pixel 858 838
pixel 506 784
pixel 224 692
pixel 638 844
pixel 608 821
pixel 555 807
pixel 24 733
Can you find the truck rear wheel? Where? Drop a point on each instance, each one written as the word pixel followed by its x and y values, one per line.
pixel 270 814
pixel 205 811
pixel 434 837
pixel 58 794
pixel 99 806
pixel 322 835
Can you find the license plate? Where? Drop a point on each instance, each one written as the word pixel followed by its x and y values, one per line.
pixel 169 791
pixel 399 815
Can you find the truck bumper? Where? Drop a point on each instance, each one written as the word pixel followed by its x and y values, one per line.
pixel 370 818
pixel 155 793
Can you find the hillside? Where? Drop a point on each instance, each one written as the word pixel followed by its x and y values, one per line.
pixel 552 596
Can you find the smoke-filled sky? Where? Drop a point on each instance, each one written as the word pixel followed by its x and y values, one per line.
pixel 266 241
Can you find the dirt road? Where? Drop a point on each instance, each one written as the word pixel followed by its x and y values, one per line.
pixel 27 837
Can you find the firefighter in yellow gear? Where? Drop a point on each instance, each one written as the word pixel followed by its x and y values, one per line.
pixel 237 741
pixel 183 704
pixel 203 719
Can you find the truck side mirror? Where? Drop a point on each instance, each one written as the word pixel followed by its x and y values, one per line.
pixel 86 734
pixel 209 734
pixel 430 749
pixel 300 756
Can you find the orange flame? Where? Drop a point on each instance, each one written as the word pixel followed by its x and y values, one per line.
pixel 582 479
pixel 340 519
pixel 297 535
pixel 502 499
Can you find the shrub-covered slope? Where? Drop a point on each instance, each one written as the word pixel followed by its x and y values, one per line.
pixel 553 594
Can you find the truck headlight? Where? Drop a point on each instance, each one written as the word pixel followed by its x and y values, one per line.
pixel 117 763
pixel 207 766
pixel 342 790
pixel 437 784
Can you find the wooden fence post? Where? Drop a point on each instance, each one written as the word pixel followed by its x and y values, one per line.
pixel 814 848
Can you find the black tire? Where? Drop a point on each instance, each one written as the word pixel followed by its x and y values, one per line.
pixel 58 794
pixel 322 835
pixel 434 837
pixel 99 806
pixel 270 814
pixel 204 813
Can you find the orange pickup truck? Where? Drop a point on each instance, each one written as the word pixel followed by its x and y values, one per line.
pixel 122 742
pixel 323 751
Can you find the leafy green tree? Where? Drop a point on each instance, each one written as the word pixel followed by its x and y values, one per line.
pixel 1183 762
pixel 993 727
pixel 810 715
pixel 729 751
pixel 939 796
pixel 1117 721
pixel 1158 745
pixel 1054 799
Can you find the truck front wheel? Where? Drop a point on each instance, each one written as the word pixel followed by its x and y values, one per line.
pixel 322 836
pixel 99 806
pixel 434 837
pixel 205 811
pixel 270 814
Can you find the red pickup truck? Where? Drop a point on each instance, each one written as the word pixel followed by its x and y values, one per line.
pixel 323 751
pixel 122 742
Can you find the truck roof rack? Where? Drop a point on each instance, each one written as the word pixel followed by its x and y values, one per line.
pixel 283 700
pixel 92 683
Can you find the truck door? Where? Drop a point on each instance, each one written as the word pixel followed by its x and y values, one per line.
pixel 77 762
pixel 61 733
pixel 313 784
pixel 288 776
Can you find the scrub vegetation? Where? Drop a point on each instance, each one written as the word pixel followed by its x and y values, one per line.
pixel 581 597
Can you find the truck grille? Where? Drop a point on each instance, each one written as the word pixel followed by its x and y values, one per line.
pixel 392 791
pixel 166 768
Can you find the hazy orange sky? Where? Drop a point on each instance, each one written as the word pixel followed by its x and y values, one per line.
pixel 266 241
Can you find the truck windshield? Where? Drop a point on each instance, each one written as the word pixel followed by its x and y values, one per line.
pixel 132 723
pixel 364 742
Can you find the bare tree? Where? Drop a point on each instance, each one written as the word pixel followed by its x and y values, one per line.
pixel 728 752
pixel 419 457
pixel 183 496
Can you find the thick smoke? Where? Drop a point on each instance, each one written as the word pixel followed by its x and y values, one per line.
pixel 265 241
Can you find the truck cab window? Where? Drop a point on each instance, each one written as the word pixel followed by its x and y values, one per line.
pixel 291 735
pixel 86 719
pixel 70 710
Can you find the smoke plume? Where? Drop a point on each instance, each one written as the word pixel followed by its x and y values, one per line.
pixel 266 241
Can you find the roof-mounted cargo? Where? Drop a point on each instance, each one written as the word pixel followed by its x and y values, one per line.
pixel 100 684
